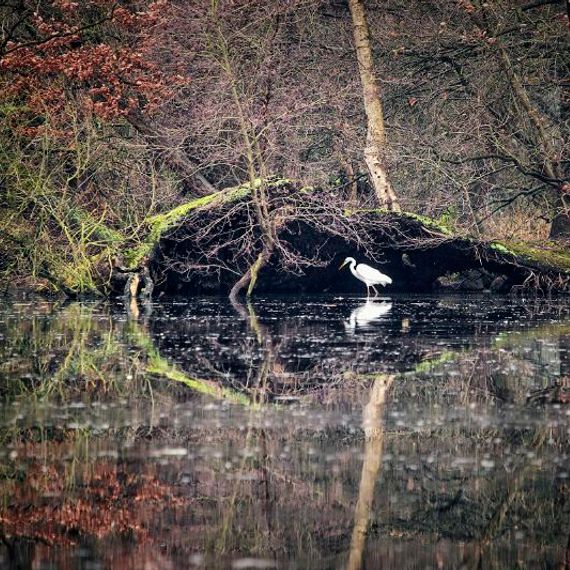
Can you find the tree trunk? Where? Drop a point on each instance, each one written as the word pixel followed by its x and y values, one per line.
pixel 560 228
pixel 372 423
pixel 375 150
pixel 249 278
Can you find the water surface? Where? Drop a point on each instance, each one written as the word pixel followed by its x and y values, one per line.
pixel 317 432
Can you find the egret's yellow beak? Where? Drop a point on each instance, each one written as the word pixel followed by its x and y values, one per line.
pixel 343 264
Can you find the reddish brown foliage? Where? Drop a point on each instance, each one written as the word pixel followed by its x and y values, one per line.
pixel 97 54
pixel 105 500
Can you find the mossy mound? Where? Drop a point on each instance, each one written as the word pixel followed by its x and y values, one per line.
pixel 415 250
pixel 161 224
pixel 205 244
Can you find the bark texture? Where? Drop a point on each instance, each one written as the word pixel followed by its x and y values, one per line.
pixel 374 152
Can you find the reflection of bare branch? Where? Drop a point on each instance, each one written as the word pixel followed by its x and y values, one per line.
pixel 269 364
pixel 498 518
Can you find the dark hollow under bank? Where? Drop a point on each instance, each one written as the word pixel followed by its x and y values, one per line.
pixel 417 254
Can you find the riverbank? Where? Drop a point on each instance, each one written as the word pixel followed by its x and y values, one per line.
pixel 204 246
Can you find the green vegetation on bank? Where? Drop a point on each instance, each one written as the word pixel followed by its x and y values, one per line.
pixel 83 264
pixel 550 254
pixel 158 225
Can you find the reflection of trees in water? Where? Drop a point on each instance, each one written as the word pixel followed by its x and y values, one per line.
pixel 520 366
pixel 285 360
pixel 373 426
pixel 264 502
pixel 64 350
pixel 279 484
pixel 292 357
pixel 259 375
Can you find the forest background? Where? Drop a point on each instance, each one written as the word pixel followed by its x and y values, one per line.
pixel 116 114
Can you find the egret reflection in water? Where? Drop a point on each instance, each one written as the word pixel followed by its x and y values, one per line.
pixel 367 313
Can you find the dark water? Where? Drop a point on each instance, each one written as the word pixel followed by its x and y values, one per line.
pixel 412 433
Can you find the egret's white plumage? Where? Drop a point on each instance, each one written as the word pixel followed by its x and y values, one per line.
pixel 368 275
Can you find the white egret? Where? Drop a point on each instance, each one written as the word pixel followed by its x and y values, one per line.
pixel 368 275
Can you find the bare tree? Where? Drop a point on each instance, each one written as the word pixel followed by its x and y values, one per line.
pixel 541 133
pixel 375 150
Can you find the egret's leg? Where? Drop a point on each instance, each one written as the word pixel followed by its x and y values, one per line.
pixel 375 291
pixel 367 291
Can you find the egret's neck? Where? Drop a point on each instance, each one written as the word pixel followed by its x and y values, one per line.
pixel 353 268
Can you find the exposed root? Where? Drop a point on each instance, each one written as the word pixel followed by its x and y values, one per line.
pixel 138 283
pixel 131 286
pixel 249 278
pixel 542 284
pixel 254 271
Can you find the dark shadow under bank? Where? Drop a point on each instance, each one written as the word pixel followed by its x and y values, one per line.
pixel 419 258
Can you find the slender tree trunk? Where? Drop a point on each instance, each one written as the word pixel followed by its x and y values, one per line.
pixel 257 170
pixel 375 150
pixel 560 228
pixel 249 278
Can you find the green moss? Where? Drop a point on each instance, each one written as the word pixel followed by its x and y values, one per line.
pixel 423 367
pixel 438 225
pixel 547 254
pixel 94 227
pixel 501 248
pixel 161 223
pixel 254 272
pixel 430 223
pixel 429 365
pixel 76 277
pixel 509 339
pixel 448 217
pixel 159 366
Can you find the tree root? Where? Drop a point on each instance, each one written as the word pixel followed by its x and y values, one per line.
pixel 254 271
pixel 138 283
pixel 249 278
